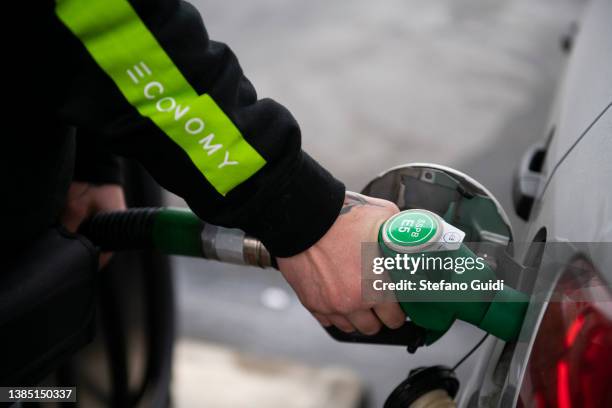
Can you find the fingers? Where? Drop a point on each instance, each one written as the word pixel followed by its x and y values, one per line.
pixel 342 323
pixel 326 276
pixel 324 321
pixel 76 206
pixel 368 322
pixel 391 314
pixel 365 321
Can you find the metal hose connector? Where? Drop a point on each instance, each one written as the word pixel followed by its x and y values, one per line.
pixel 256 254
pixel 232 245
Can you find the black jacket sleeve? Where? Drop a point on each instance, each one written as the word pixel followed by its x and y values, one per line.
pixel 94 163
pixel 289 203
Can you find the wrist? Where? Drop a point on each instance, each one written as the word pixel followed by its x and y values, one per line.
pixel 302 210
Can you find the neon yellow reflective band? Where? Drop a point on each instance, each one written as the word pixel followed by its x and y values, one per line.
pixel 126 50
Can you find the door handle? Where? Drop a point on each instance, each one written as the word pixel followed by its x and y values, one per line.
pixel 527 180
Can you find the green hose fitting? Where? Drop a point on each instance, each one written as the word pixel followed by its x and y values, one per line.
pixel 423 234
pixel 177 231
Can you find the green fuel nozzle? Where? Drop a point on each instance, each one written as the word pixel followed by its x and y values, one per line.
pixel 423 234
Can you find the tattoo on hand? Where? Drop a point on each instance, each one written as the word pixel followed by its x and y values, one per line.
pixel 352 200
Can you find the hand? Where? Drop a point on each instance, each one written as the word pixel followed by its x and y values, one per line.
pixel 327 276
pixel 84 200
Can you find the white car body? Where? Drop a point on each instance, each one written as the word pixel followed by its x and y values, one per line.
pixel 572 200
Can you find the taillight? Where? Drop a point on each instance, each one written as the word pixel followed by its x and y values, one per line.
pixel 570 364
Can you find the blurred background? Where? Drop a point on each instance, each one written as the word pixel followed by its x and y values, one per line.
pixel 465 83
